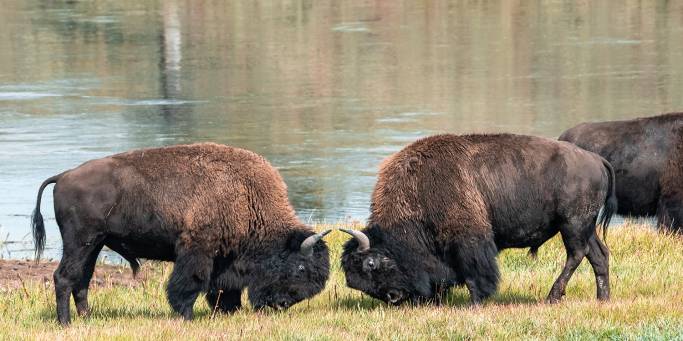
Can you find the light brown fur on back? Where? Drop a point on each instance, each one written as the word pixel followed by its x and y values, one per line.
pixel 214 196
pixel 451 181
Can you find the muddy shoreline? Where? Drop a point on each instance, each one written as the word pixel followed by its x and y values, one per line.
pixel 16 274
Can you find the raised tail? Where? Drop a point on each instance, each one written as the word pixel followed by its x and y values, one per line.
pixel 610 207
pixel 37 219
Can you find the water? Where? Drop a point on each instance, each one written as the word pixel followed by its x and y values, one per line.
pixel 324 90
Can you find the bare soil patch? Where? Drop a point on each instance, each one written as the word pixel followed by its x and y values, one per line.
pixel 15 274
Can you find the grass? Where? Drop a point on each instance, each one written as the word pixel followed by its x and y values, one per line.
pixel 647 303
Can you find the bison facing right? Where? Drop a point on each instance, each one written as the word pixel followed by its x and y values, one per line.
pixel 220 213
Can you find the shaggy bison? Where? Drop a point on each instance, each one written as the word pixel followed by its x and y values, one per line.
pixel 444 206
pixel 647 157
pixel 220 213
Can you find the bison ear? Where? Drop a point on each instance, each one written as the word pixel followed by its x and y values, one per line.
pixel 362 240
pixel 295 239
pixel 375 234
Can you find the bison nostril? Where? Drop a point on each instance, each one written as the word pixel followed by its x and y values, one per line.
pixel 282 304
pixel 393 296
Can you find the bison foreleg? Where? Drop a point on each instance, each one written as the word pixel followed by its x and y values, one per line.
pixel 476 264
pixel 190 276
pixel 670 211
pixel 224 300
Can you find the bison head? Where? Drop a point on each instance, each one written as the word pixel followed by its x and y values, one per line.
pixel 293 274
pixel 392 271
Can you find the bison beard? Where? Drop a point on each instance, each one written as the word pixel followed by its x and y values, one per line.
pixel 647 155
pixel 444 206
pixel 220 213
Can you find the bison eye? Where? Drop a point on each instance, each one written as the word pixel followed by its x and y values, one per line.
pixel 301 268
pixel 370 264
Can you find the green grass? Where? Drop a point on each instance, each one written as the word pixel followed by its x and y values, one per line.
pixel 647 303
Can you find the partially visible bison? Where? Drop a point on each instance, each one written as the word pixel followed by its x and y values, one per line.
pixel 647 157
pixel 220 213
pixel 444 206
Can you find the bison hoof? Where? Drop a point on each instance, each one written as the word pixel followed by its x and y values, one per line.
pixel 553 299
pixel 603 298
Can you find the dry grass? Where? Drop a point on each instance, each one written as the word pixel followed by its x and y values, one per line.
pixel 647 302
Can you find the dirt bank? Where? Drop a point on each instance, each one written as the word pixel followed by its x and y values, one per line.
pixel 15 272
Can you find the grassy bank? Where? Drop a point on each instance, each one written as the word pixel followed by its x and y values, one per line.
pixel 647 301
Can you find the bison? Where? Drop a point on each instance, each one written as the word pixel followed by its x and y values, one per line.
pixel 647 156
pixel 444 206
pixel 220 213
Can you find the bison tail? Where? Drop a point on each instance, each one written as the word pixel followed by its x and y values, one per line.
pixel 37 224
pixel 134 265
pixel 610 207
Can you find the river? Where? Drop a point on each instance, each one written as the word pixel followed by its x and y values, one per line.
pixel 323 89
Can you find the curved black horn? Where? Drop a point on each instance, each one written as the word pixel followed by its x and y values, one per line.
pixel 363 241
pixel 307 244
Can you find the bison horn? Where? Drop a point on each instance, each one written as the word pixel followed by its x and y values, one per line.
pixel 307 244
pixel 363 241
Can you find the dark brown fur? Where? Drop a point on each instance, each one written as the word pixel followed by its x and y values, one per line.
pixel 670 206
pixel 220 213
pixel 646 156
pixel 445 205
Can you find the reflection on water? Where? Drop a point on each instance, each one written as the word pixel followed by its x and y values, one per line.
pixel 324 90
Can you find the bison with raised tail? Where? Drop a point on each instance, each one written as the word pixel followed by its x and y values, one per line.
pixel 444 206
pixel 220 213
pixel 647 155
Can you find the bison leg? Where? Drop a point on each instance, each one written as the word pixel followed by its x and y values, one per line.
pixel 225 300
pixel 70 278
pixel 190 276
pixel 670 212
pixel 476 265
pixel 577 246
pixel 81 243
pixel 598 256
pixel 63 288
pixel 80 291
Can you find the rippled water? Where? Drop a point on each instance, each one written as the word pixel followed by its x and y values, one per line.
pixel 324 90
